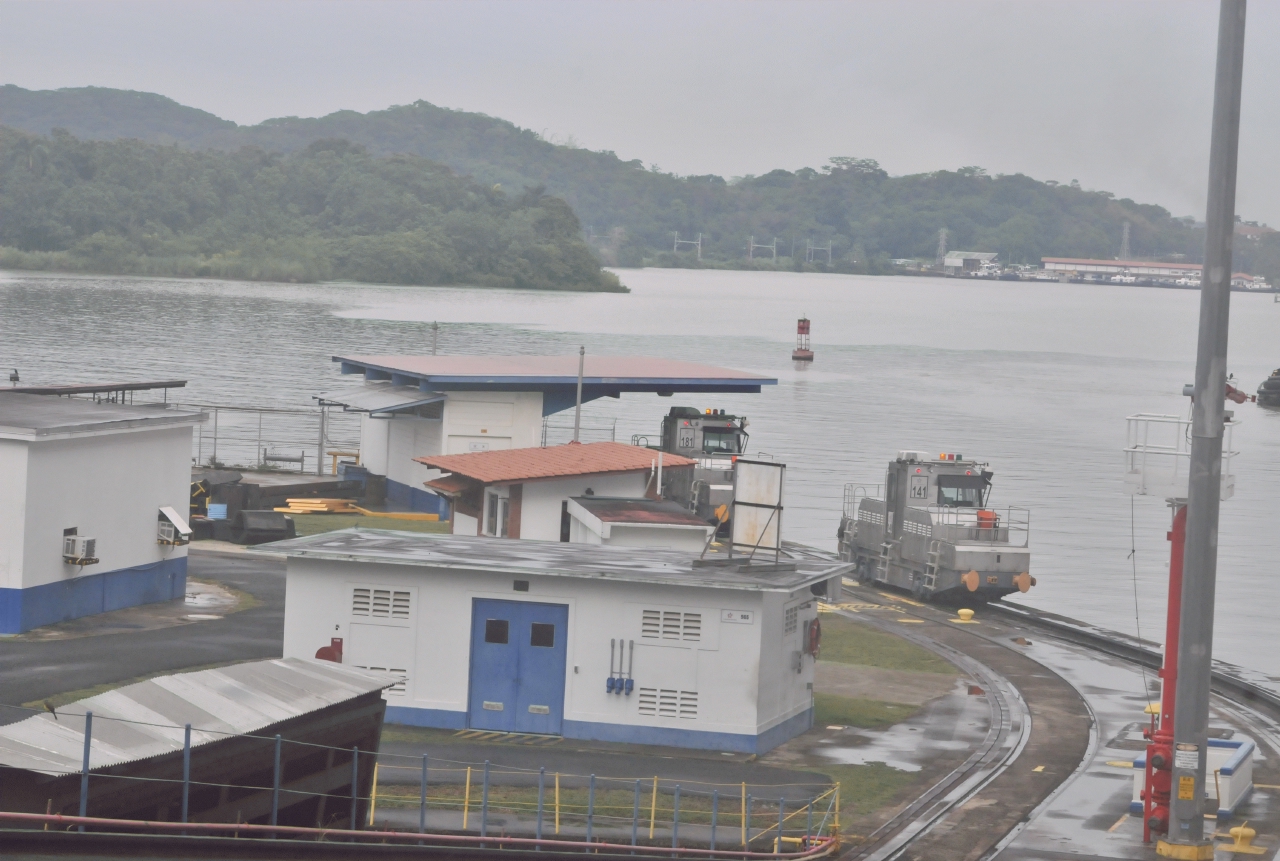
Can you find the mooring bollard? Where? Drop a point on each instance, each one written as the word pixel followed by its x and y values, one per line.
pixel 355 786
pixel 635 817
pixel 591 804
pixel 186 772
pixel 84 771
pixel 675 818
pixel 715 810
pixel 422 799
pixel 484 803
pixel 275 786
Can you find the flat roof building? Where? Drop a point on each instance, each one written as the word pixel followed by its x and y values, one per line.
pixel 524 492
pixel 960 262
pixel 93 500
pixel 579 640
pixel 417 406
pixel 636 523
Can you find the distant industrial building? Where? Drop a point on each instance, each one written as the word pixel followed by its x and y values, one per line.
pixel 1155 271
pixel 525 492
pixel 320 710
pixel 417 406
pixel 1074 267
pixel 580 640
pixel 93 501
pixel 968 262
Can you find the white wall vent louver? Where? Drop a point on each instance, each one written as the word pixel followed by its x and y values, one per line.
pixel 380 603
pixel 670 625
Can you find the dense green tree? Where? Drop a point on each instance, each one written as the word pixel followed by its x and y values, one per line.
pixel 330 210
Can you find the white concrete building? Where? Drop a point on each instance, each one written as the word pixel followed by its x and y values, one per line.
pixel 72 468
pixel 418 406
pixel 525 492
pixel 577 640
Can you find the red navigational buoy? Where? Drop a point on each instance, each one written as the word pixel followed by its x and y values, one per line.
pixel 802 352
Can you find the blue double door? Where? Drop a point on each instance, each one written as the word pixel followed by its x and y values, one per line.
pixel 517 666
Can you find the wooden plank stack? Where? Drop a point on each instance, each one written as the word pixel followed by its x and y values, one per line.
pixel 320 506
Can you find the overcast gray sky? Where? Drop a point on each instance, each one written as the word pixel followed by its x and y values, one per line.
pixel 1116 94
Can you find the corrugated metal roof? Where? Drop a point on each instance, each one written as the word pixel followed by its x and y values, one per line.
pixel 146 719
pixel 555 461
pixel 551 558
pixel 380 398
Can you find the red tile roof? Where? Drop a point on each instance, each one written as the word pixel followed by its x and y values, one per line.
pixel 531 464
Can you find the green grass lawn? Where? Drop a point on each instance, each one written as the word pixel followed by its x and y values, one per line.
pixel 314 524
pixel 831 709
pixel 847 642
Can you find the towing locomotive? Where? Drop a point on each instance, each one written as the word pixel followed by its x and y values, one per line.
pixel 934 532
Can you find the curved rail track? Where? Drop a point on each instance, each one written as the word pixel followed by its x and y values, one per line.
pixel 1011 720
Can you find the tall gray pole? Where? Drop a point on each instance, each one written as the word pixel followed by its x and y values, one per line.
pixel 577 410
pixel 1195 646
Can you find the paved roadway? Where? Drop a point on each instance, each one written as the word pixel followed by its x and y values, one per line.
pixel 35 670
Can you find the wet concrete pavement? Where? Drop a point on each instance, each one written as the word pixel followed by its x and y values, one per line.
pixel 34 670
pixel 1089 818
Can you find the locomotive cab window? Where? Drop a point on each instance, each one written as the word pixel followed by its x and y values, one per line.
pixel 720 441
pixel 961 491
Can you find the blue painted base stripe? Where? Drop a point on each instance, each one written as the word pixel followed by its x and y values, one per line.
pixel 24 609
pixel 434 718
pixel 625 734
pixel 417 499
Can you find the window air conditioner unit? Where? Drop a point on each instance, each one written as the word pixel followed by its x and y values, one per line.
pixel 79 549
pixel 172 528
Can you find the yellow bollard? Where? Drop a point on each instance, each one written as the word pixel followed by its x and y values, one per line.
pixel 837 816
pixel 653 806
pixel 466 800
pixel 373 794
pixel 1243 835
pixel 557 802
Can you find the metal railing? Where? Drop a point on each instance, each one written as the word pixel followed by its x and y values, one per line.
pixel 1157 456
pixel 559 433
pixel 1008 525
pixel 262 438
pixel 451 799
pixel 855 493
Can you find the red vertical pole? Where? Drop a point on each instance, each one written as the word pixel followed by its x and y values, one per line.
pixel 1159 783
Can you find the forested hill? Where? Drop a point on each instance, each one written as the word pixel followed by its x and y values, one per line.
pixel 328 211
pixel 867 216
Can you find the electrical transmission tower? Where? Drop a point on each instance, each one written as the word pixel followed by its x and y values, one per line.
pixel 1124 242
pixel 814 250
pixel 752 245
pixel 696 243
pixel 942 247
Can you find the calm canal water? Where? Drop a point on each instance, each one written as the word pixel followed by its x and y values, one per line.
pixel 1034 378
